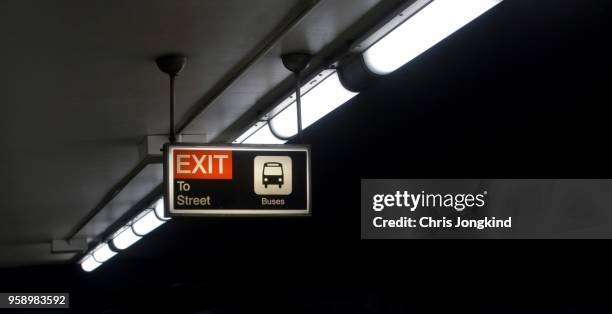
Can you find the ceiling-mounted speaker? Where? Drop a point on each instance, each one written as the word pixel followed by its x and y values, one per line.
pixel 171 64
pixel 296 62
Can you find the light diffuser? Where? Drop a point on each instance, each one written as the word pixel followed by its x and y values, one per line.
pixel 147 222
pixel 316 103
pixel 427 27
pixel 89 263
pixel 103 253
pixel 125 238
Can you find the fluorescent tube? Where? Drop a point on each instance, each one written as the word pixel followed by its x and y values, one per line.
pixel 147 222
pixel 254 128
pixel 320 96
pixel 159 209
pixel 125 238
pixel 103 253
pixel 89 263
pixel 316 103
pixel 423 30
pixel 263 136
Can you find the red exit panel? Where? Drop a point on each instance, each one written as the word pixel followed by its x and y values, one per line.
pixel 202 164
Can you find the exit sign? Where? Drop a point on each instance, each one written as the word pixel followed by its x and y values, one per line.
pixel 242 180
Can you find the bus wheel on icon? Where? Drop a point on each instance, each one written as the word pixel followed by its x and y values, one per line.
pixel 272 175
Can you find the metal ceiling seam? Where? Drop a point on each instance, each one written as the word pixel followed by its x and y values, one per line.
pixel 295 17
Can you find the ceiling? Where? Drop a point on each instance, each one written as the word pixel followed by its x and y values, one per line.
pixel 81 91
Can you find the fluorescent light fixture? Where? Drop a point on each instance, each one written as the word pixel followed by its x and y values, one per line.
pixel 254 128
pixel 103 253
pixel 423 30
pixel 328 95
pixel 146 222
pixel 125 238
pixel 89 263
pixel 320 96
pixel 263 136
pixel 129 234
pixel 159 209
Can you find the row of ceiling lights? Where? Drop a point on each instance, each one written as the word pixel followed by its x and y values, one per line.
pixel 432 22
pixel 145 222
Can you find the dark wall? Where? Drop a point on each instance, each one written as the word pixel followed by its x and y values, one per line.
pixel 520 93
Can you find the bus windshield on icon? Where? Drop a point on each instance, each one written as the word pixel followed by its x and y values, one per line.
pixel 272 174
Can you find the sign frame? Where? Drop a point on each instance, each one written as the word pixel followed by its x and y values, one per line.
pixel 168 167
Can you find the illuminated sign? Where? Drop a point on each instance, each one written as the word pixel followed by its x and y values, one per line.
pixel 216 180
